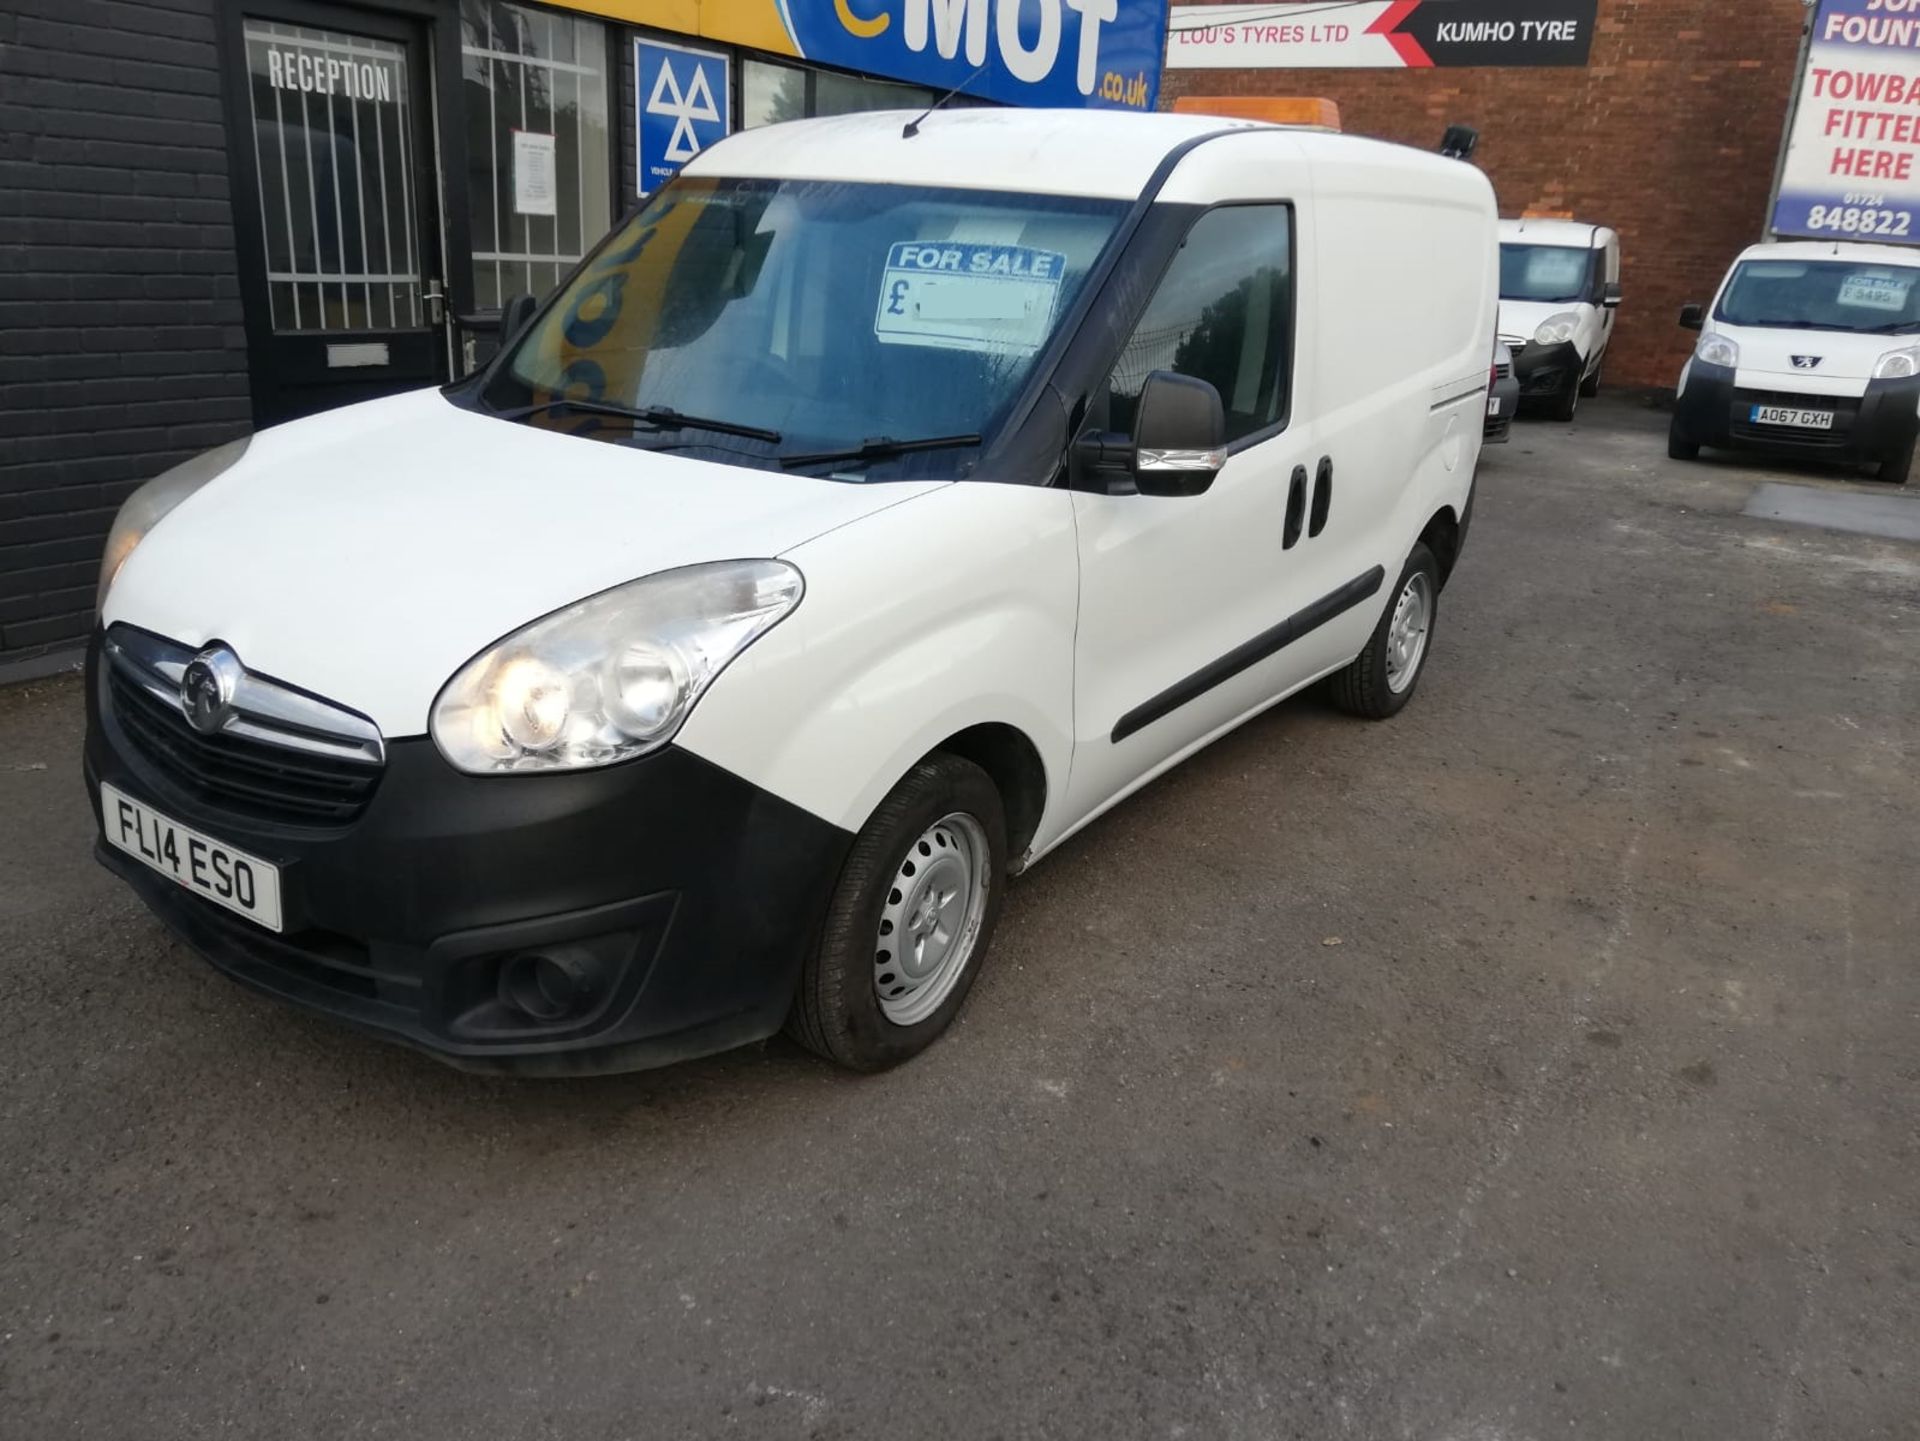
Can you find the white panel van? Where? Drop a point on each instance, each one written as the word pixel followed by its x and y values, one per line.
pixel 1559 289
pixel 869 512
pixel 1809 349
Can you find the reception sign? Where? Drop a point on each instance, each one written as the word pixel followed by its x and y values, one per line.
pixel 1852 169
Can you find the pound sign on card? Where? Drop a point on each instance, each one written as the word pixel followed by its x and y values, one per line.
pixel 894 296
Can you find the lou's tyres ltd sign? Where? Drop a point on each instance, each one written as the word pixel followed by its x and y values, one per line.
pixel 1853 154
pixel 1380 34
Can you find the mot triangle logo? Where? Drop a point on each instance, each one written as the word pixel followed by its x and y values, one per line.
pixel 683 107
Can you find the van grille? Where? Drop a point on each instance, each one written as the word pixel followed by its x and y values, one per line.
pixel 277 772
pixel 1845 408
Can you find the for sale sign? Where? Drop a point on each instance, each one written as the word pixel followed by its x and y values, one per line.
pixel 1380 34
pixel 1853 155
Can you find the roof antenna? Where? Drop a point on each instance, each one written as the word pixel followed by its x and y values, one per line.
pixel 913 126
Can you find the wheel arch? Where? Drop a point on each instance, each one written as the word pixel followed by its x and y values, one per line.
pixel 1012 761
pixel 1441 535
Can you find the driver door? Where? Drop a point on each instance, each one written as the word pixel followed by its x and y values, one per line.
pixel 1177 594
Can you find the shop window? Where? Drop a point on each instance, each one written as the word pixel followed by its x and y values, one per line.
pixel 771 92
pixel 1223 314
pixel 540 184
pixel 333 153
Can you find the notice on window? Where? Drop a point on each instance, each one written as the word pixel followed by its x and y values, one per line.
pixel 1557 270
pixel 968 296
pixel 1876 290
pixel 533 173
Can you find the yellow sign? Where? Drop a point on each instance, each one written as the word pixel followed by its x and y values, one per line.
pixel 755 23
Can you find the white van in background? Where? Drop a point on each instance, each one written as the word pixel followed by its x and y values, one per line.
pixel 1810 348
pixel 873 509
pixel 1559 288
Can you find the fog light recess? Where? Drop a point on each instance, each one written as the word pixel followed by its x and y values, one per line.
pixel 546 987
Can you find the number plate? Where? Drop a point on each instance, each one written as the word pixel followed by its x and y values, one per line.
pixel 1788 415
pixel 242 883
pixel 1493 405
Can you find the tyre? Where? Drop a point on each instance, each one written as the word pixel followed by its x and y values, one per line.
pixel 1590 386
pixel 1567 402
pixel 1897 463
pixel 910 919
pixel 1678 446
pixel 1381 679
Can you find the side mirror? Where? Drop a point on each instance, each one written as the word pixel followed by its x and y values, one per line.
pixel 1459 142
pixel 1610 296
pixel 1692 317
pixel 1179 435
pixel 514 316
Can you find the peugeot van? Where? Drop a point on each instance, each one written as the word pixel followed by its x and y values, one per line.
pixel 1559 289
pixel 1810 349
pixel 870 511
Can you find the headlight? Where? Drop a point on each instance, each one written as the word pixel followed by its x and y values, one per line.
pixel 612 677
pixel 1718 350
pixel 149 505
pixel 1557 329
pixel 1897 365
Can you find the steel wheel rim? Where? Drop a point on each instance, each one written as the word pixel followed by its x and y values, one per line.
pixel 930 922
pixel 1407 632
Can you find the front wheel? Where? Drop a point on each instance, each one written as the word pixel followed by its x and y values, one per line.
pixel 1380 680
pixel 909 921
pixel 1678 446
pixel 1567 403
pixel 1590 387
pixel 1897 463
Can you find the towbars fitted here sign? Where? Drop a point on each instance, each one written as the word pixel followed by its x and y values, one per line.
pixel 1380 34
pixel 1853 155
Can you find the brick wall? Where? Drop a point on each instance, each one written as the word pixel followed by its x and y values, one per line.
pixel 121 350
pixel 1669 135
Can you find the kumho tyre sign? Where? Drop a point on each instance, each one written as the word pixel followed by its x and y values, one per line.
pixel 1852 168
pixel 1380 34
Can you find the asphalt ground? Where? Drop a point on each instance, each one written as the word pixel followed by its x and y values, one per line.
pixel 1541 1063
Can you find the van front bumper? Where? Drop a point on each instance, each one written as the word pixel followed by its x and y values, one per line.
pixel 682 896
pixel 1545 371
pixel 1714 411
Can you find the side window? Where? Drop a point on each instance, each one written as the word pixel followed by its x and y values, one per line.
pixel 1223 314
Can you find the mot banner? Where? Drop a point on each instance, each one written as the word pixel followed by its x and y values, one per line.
pixel 1851 170
pixel 1379 34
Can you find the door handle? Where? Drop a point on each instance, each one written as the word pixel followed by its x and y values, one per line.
pixel 1322 496
pixel 1296 508
pixel 435 300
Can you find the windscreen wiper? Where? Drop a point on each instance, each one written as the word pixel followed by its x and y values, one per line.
pixel 880 447
pixel 660 417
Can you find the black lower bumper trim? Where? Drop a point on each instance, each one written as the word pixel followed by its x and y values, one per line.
pixel 1548 370
pixel 683 895
pixel 1711 410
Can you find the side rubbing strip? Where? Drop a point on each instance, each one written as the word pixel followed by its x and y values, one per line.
pixel 1268 642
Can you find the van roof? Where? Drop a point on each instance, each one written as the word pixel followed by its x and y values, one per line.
pixel 1544 231
pixel 1105 153
pixel 1859 252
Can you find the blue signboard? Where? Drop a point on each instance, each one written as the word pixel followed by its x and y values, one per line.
pixel 1852 170
pixel 1023 52
pixel 683 104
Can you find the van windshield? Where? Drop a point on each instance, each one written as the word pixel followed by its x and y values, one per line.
pixel 1867 299
pixel 807 319
pixel 1548 273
